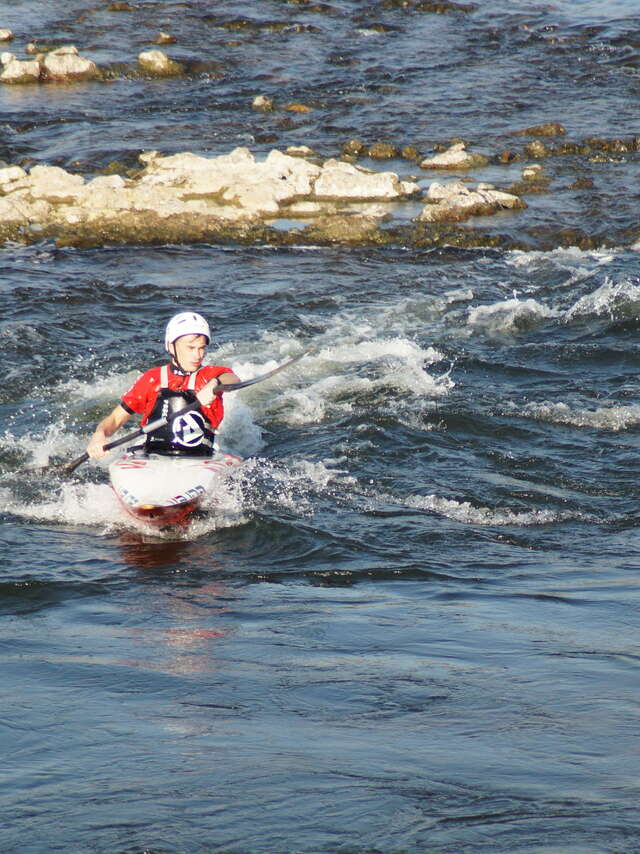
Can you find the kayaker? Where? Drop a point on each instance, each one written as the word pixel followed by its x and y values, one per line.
pixel 161 391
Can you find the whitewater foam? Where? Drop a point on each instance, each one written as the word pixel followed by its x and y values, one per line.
pixel 613 418
pixel 510 316
pixel 619 301
pixel 463 511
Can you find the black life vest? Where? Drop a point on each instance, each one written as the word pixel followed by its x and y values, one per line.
pixel 188 435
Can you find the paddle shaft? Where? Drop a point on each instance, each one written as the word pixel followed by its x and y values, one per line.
pixel 151 427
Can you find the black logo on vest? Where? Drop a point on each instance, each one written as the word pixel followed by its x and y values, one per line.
pixel 189 434
pixel 189 430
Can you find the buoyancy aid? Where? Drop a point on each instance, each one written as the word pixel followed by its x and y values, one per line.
pixel 187 435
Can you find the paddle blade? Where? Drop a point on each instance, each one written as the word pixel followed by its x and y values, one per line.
pixel 67 468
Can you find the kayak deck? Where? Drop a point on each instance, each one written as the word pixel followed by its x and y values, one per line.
pixel 163 490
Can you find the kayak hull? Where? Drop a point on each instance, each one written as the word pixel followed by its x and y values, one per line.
pixel 164 491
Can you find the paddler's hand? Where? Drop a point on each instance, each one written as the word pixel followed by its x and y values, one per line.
pixel 208 392
pixel 95 446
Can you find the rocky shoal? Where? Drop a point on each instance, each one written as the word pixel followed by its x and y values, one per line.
pixel 186 197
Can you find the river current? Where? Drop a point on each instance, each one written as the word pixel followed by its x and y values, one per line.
pixel 409 623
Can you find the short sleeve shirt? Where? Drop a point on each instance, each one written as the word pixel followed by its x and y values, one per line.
pixel 142 395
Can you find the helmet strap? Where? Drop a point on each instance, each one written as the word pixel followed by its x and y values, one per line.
pixel 175 363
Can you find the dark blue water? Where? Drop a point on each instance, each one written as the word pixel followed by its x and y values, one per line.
pixel 409 624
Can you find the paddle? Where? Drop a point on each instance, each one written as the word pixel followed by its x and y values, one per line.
pixel 152 426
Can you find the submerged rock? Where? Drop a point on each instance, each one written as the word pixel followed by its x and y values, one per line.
pixel 353 148
pixel 298 108
pixel 345 229
pixel 547 129
pixel 165 38
pixel 537 149
pixel 382 151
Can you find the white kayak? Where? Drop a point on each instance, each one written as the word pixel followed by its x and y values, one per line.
pixel 165 490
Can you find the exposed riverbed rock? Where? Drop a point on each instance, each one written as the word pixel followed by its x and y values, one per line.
pixel 19 71
pixel 263 103
pixel 157 63
pixel 455 157
pixel 340 180
pixel 197 195
pixel 65 64
pixel 62 65
pixel 456 202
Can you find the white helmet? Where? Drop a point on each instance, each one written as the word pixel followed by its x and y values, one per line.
pixel 186 323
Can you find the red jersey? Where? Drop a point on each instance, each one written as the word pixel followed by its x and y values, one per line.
pixel 142 395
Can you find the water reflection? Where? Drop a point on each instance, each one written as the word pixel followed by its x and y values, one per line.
pixel 189 607
pixel 147 552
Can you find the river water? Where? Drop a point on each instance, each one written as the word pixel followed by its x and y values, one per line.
pixel 410 622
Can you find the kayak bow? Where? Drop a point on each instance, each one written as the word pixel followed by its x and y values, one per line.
pixel 164 491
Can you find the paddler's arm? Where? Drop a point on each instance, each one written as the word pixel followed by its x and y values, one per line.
pixel 107 427
pixel 215 386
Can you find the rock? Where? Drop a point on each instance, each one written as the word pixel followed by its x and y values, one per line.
pixel 189 197
pixel 382 151
pixel 9 175
pixel 17 71
pixel 5 35
pixel 298 108
pixel 53 183
pixel 157 63
pixel 165 38
pixel 21 211
pixel 537 149
pixel 455 157
pixel 300 151
pixel 61 65
pixel 532 172
pixel 304 210
pixel 582 184
pixel 235 179
pixel 410 152
pixel 507 156
pixel 66 50
pixel 353 148
pixel 340 180
pixel 443 8
pixel 455 202
pixel 64 64
pixel 346 229
pixel 548 129
pixel 263 102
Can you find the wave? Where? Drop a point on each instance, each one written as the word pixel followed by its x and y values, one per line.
pixel 614 418
pixel 579 262
pixel 510 316
pixel 465 512
pixel 615 301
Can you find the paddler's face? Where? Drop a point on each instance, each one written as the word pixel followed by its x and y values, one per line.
pixel 189 351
